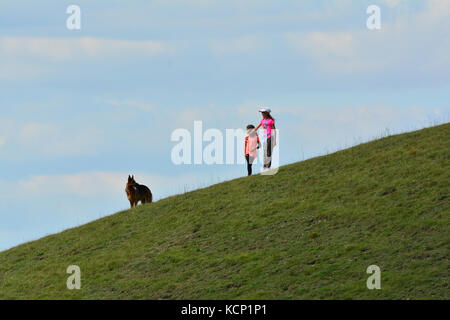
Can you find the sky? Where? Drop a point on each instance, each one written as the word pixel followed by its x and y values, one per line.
pixel 82 109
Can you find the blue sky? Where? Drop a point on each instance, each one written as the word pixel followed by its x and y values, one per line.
pixel 82 109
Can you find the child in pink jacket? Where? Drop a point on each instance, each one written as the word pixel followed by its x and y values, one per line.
pixel 251 145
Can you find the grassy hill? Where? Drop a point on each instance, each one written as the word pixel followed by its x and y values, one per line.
pixel 309 232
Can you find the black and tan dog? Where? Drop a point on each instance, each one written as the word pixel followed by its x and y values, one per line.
pixel 137 192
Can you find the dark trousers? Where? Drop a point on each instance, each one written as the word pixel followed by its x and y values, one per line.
pixel 268 153
pixel 249 163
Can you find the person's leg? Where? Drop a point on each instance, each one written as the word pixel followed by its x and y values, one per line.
pixel 249 165
pixel 265 154
pixel 268 160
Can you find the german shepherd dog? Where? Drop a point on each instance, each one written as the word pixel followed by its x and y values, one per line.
pixel 137 192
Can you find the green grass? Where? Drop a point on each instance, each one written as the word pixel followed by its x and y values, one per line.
pixel 309 232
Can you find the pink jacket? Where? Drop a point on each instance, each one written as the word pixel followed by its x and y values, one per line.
pixel 250 144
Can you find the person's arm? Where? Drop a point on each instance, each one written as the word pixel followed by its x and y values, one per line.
pixel 245 145
pixel 258 144
pixel 256 129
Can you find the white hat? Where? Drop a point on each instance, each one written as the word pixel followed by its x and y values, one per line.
pixel 265 110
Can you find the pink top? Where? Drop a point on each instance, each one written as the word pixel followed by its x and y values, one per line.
pixel 250 144
pixel 267 124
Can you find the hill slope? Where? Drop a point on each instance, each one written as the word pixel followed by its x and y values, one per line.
pixel 308 232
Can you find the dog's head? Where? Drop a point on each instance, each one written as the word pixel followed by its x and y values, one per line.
pixel 131 180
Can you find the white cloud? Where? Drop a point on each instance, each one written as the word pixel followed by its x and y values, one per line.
pixel 80 184
pixel 37 139
pixel 436 11
pixel 340 44
pixel 33 57
pixel 415 43
pixel 7 126
pixel 248 108
pixel 35 132
pixel 85 47
pixel 336 127
pixel 99 184
pixel 132 104
pixel 238 45
pixel 394 3
pixel 189 3
pixel 57 140
pixel 336 51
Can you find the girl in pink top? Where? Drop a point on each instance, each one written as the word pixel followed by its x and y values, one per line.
pixel 269 140
pixel 251 144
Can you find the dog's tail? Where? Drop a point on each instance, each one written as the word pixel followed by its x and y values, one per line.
pixel 148 196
